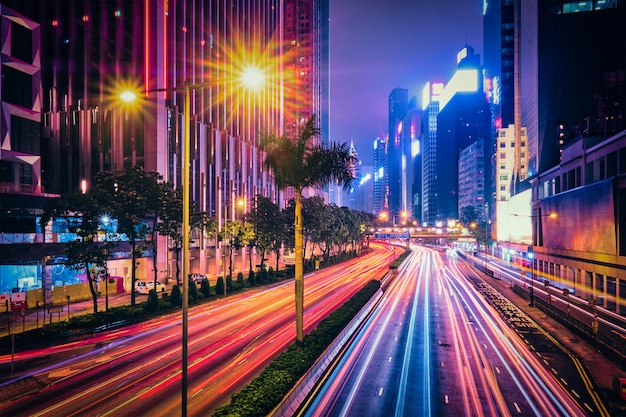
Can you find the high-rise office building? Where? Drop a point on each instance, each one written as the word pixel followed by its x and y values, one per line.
pixel 573 56
pixel 430 107
pixel 472 180
pixel 464 118
pixel 91 51
pixel 398 107
pixel 380 174
pixel 307 63
pixel 20 112
pixel 412 164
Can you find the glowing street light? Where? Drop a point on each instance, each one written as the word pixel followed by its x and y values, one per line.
pixel 249 77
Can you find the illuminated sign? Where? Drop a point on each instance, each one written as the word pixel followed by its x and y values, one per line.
pixel 463 81
pixel 415 148
pixel 426 96
pixel 431 92
pixel 461 54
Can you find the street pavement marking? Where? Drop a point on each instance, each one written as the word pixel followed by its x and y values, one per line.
pixel 517 407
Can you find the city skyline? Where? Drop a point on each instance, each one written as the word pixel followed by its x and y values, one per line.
pixel 367 63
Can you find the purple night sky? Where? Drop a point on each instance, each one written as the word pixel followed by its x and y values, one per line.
pixel 378 45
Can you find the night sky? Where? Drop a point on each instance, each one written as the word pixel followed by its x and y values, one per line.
pixel 378 45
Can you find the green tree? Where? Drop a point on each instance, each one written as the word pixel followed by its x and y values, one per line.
pixel 129 197
pixel 300 163
pixel 268 225
pixel 244 238
pixel 170 225
pixel 81 214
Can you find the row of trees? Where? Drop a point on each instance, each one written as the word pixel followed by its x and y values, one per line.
pixel 145 206
pixel 298 162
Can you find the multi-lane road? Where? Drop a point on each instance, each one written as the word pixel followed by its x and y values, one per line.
pixel 136 370
pixel 437 344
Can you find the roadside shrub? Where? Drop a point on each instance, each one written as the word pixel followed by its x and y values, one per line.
pixel 271 275
pixel 219 286
pixel 240 283
pixel 193 291
pixel 152 304
pixel 251 281
pixel 177 297
pixel 205 288
pixel 229 282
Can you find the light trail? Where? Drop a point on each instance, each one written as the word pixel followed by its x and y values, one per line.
pixel 230 341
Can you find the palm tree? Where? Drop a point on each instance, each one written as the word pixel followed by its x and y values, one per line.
pixel 300 163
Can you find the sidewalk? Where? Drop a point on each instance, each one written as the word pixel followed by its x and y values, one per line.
pixel 599 366
pixel 16 322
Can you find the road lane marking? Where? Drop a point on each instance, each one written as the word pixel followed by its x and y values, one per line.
pixel 517 407
pixel 380 392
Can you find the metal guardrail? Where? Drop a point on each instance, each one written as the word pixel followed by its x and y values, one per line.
pixel 294 399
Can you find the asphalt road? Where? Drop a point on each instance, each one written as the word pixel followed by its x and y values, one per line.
pixel 442 342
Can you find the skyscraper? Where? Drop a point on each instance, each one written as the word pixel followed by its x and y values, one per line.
pixel 573 82
pixel 93 50
pixel 380 174
pixel 430 106
pixel 398 107
pixel 464 118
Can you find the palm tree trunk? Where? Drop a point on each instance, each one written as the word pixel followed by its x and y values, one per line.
pixel 299 270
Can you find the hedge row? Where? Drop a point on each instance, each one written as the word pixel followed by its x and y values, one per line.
pixel 266 391
pixel 83 325
pixel 396 263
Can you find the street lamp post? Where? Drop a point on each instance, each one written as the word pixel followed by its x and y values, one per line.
pixel 187 87
pixel 251 77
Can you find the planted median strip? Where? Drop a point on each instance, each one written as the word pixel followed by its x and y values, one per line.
pixel 266 391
